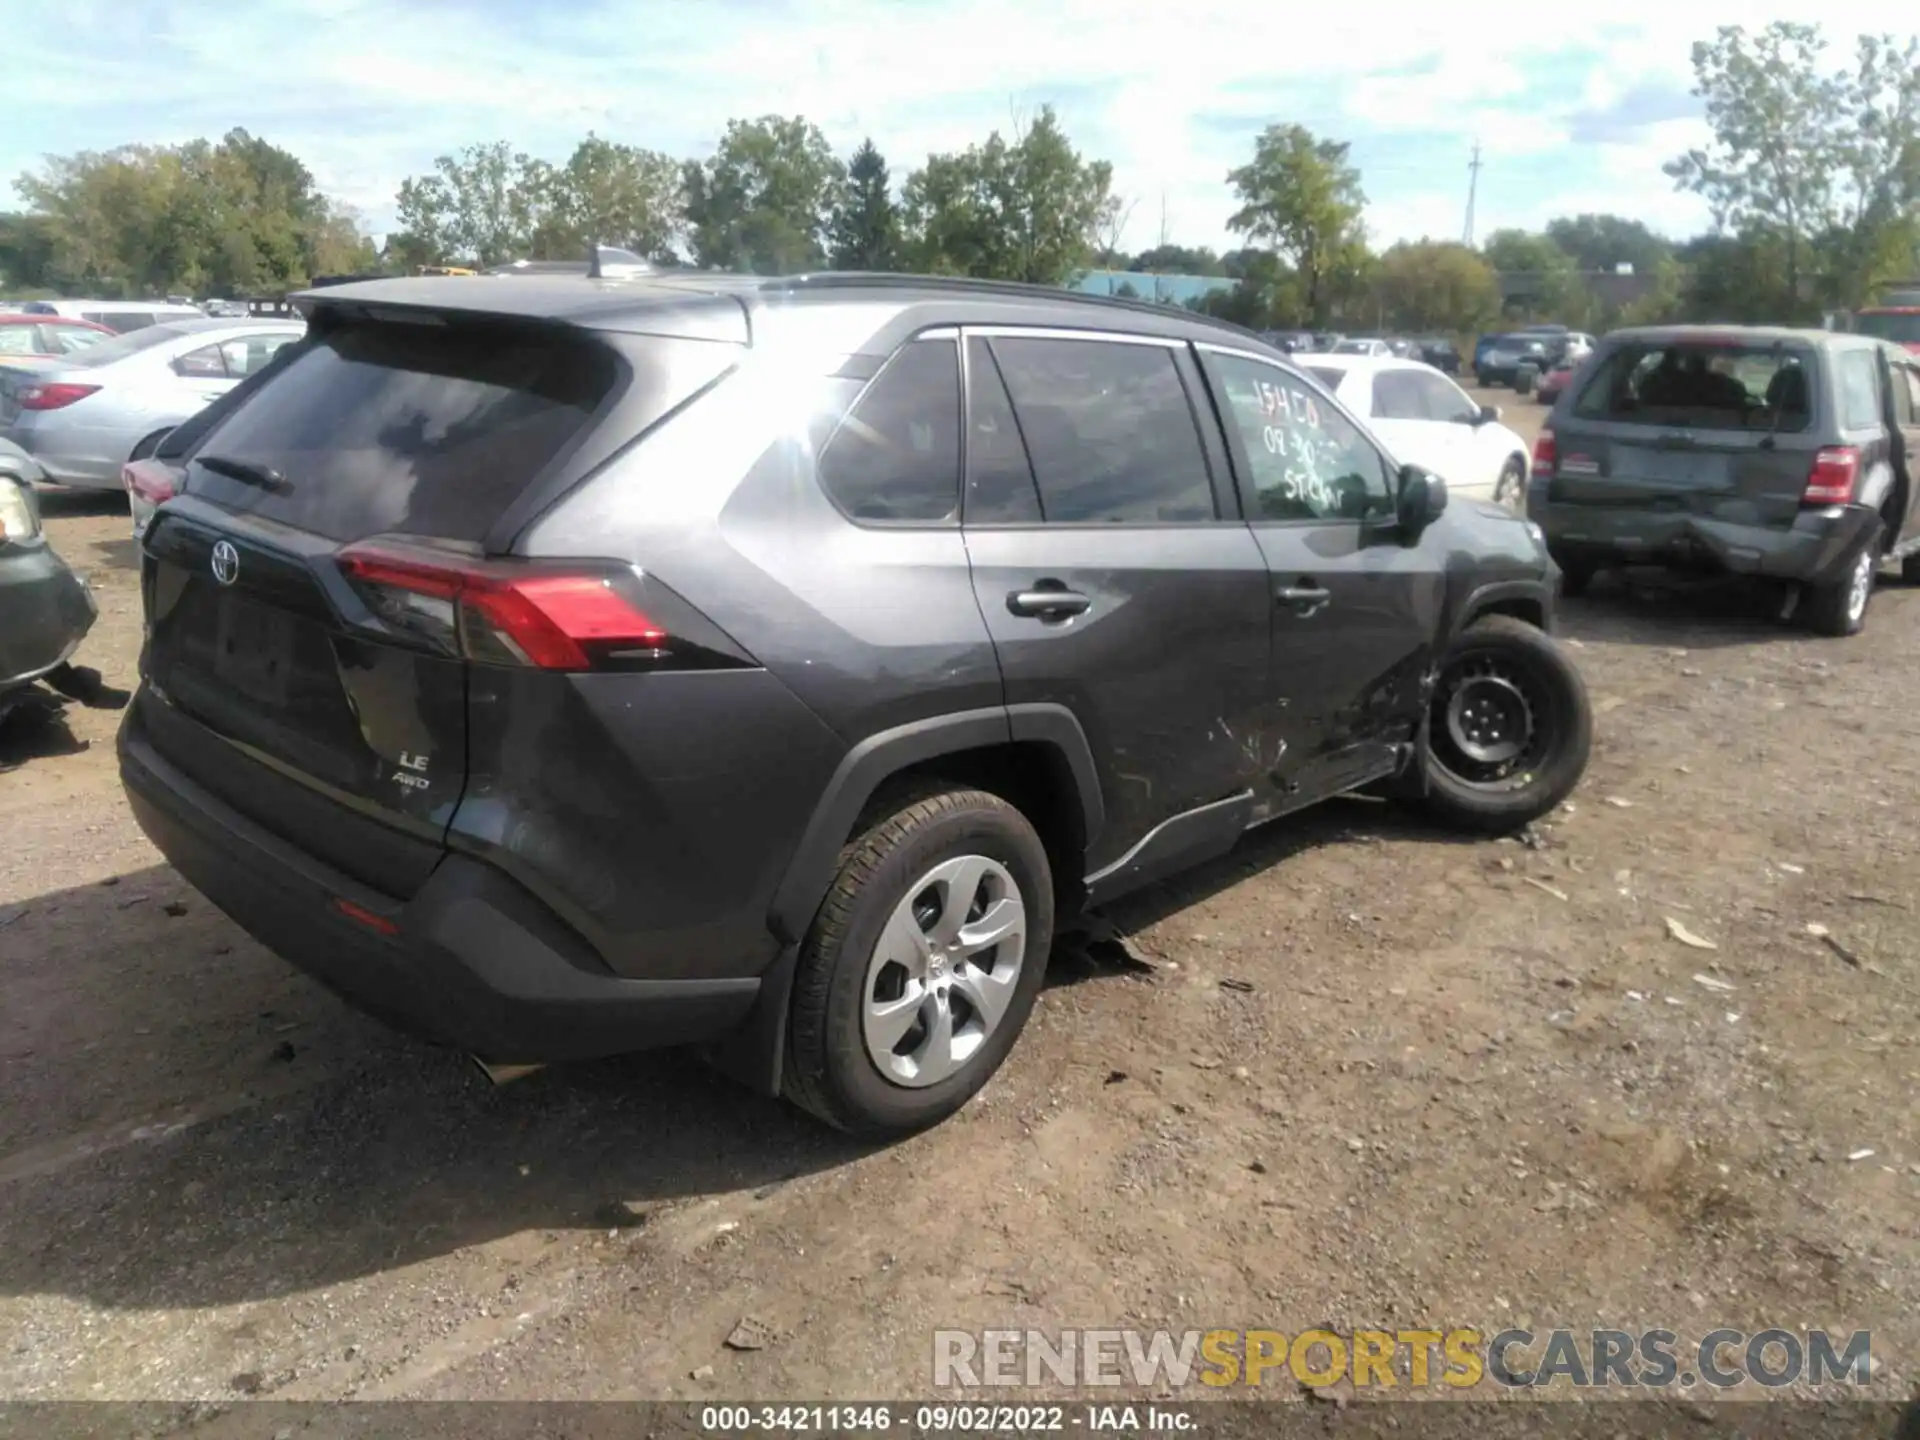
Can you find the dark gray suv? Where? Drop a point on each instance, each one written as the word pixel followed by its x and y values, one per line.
pixel 1781 454
pixel 563 666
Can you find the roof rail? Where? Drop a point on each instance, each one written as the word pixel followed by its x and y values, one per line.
pixel 886 279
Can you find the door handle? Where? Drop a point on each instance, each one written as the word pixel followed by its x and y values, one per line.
pixel 1306 597
pixel 1048 604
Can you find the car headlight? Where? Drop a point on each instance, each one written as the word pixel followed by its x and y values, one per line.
pixel 19 516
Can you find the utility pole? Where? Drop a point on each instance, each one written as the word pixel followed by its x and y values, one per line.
pixel 1473 190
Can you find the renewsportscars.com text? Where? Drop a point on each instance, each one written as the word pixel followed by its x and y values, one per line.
pixel 1450 1359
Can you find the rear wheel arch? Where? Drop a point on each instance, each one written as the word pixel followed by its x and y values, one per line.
pixel 1039 753
pixel 1036 757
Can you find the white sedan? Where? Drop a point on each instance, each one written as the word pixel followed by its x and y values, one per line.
pixel 1427 420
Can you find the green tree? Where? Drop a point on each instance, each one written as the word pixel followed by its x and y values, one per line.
pixel 1433 285
pixel 866 224
pixel 1179 260
pixel 1266 295
pixel 763 202
pixel 1826 160
pixel 482 206
pixel 1302 197
pixel 1605 242
pixel 607 194
pixel 1548 281
pixel 1033 210
pixel 29 253
pixel 232 216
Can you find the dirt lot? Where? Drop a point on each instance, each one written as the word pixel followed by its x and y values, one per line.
pixel 1451 1083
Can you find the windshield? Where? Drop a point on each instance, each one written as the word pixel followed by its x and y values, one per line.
pixel 1900 326
pixel 1327 375
pixel 1703 385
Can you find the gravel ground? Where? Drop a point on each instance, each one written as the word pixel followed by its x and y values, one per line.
pixel 1360 1074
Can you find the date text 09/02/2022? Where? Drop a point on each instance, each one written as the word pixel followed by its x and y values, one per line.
pixel 940 1419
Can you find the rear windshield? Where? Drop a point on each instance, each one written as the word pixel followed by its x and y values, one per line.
pixel 1702 385
pixel 121 346
pixel 1902 329
pixel 412 429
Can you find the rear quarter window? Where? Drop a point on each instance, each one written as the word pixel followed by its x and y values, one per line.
pixel 1859 373
pixel 406 429
pixel 896 457
pixel 1702 384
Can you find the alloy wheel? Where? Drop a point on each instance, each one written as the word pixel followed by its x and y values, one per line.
pixel 944 971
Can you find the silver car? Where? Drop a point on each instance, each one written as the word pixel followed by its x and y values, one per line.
pixel 84 416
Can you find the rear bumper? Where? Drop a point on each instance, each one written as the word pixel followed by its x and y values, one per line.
pixel 45 612
pixel 1813 548
pixel 85 457
pixel 473 960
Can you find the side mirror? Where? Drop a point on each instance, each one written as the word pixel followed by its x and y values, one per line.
pixel 1488 415
pixel 1423 497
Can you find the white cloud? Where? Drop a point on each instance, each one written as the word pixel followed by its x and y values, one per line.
pixel 368 93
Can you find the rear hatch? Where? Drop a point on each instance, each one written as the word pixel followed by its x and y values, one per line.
pixel 1705 425
pixel 318 592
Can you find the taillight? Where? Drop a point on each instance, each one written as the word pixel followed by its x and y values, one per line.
pixel 1545 454
pixel 51 395
pixel 509 612
pixel 1836 469
pixel 151 480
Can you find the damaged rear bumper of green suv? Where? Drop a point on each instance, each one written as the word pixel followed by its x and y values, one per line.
pixel 1817 544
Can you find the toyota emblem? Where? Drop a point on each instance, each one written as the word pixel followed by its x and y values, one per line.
pixel 226 562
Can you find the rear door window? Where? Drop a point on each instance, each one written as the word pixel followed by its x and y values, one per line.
pixel 1859 389
pixel 1000 488
pixel 1397 396
pixel 1110 431
pixel 411 429
pixel 1702 385
pixel 896 456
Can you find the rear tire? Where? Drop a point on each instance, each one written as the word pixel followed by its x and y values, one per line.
pixel 1575 576
pixel 1838 606
pixel 1910 569
pixel 895 1022
pixel 1510 729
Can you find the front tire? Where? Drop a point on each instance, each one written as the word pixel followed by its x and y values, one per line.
pixel 1509 730
pixel 922 965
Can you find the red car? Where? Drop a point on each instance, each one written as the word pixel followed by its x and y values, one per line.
pixel 35 337
pixel 1898 323
pixel 1554 381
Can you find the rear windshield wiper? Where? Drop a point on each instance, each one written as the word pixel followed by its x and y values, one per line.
pixel 246 472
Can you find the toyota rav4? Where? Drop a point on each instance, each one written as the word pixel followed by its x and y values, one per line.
pixel 578 665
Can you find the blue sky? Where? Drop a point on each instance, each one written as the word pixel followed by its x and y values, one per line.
pixel 1572 114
